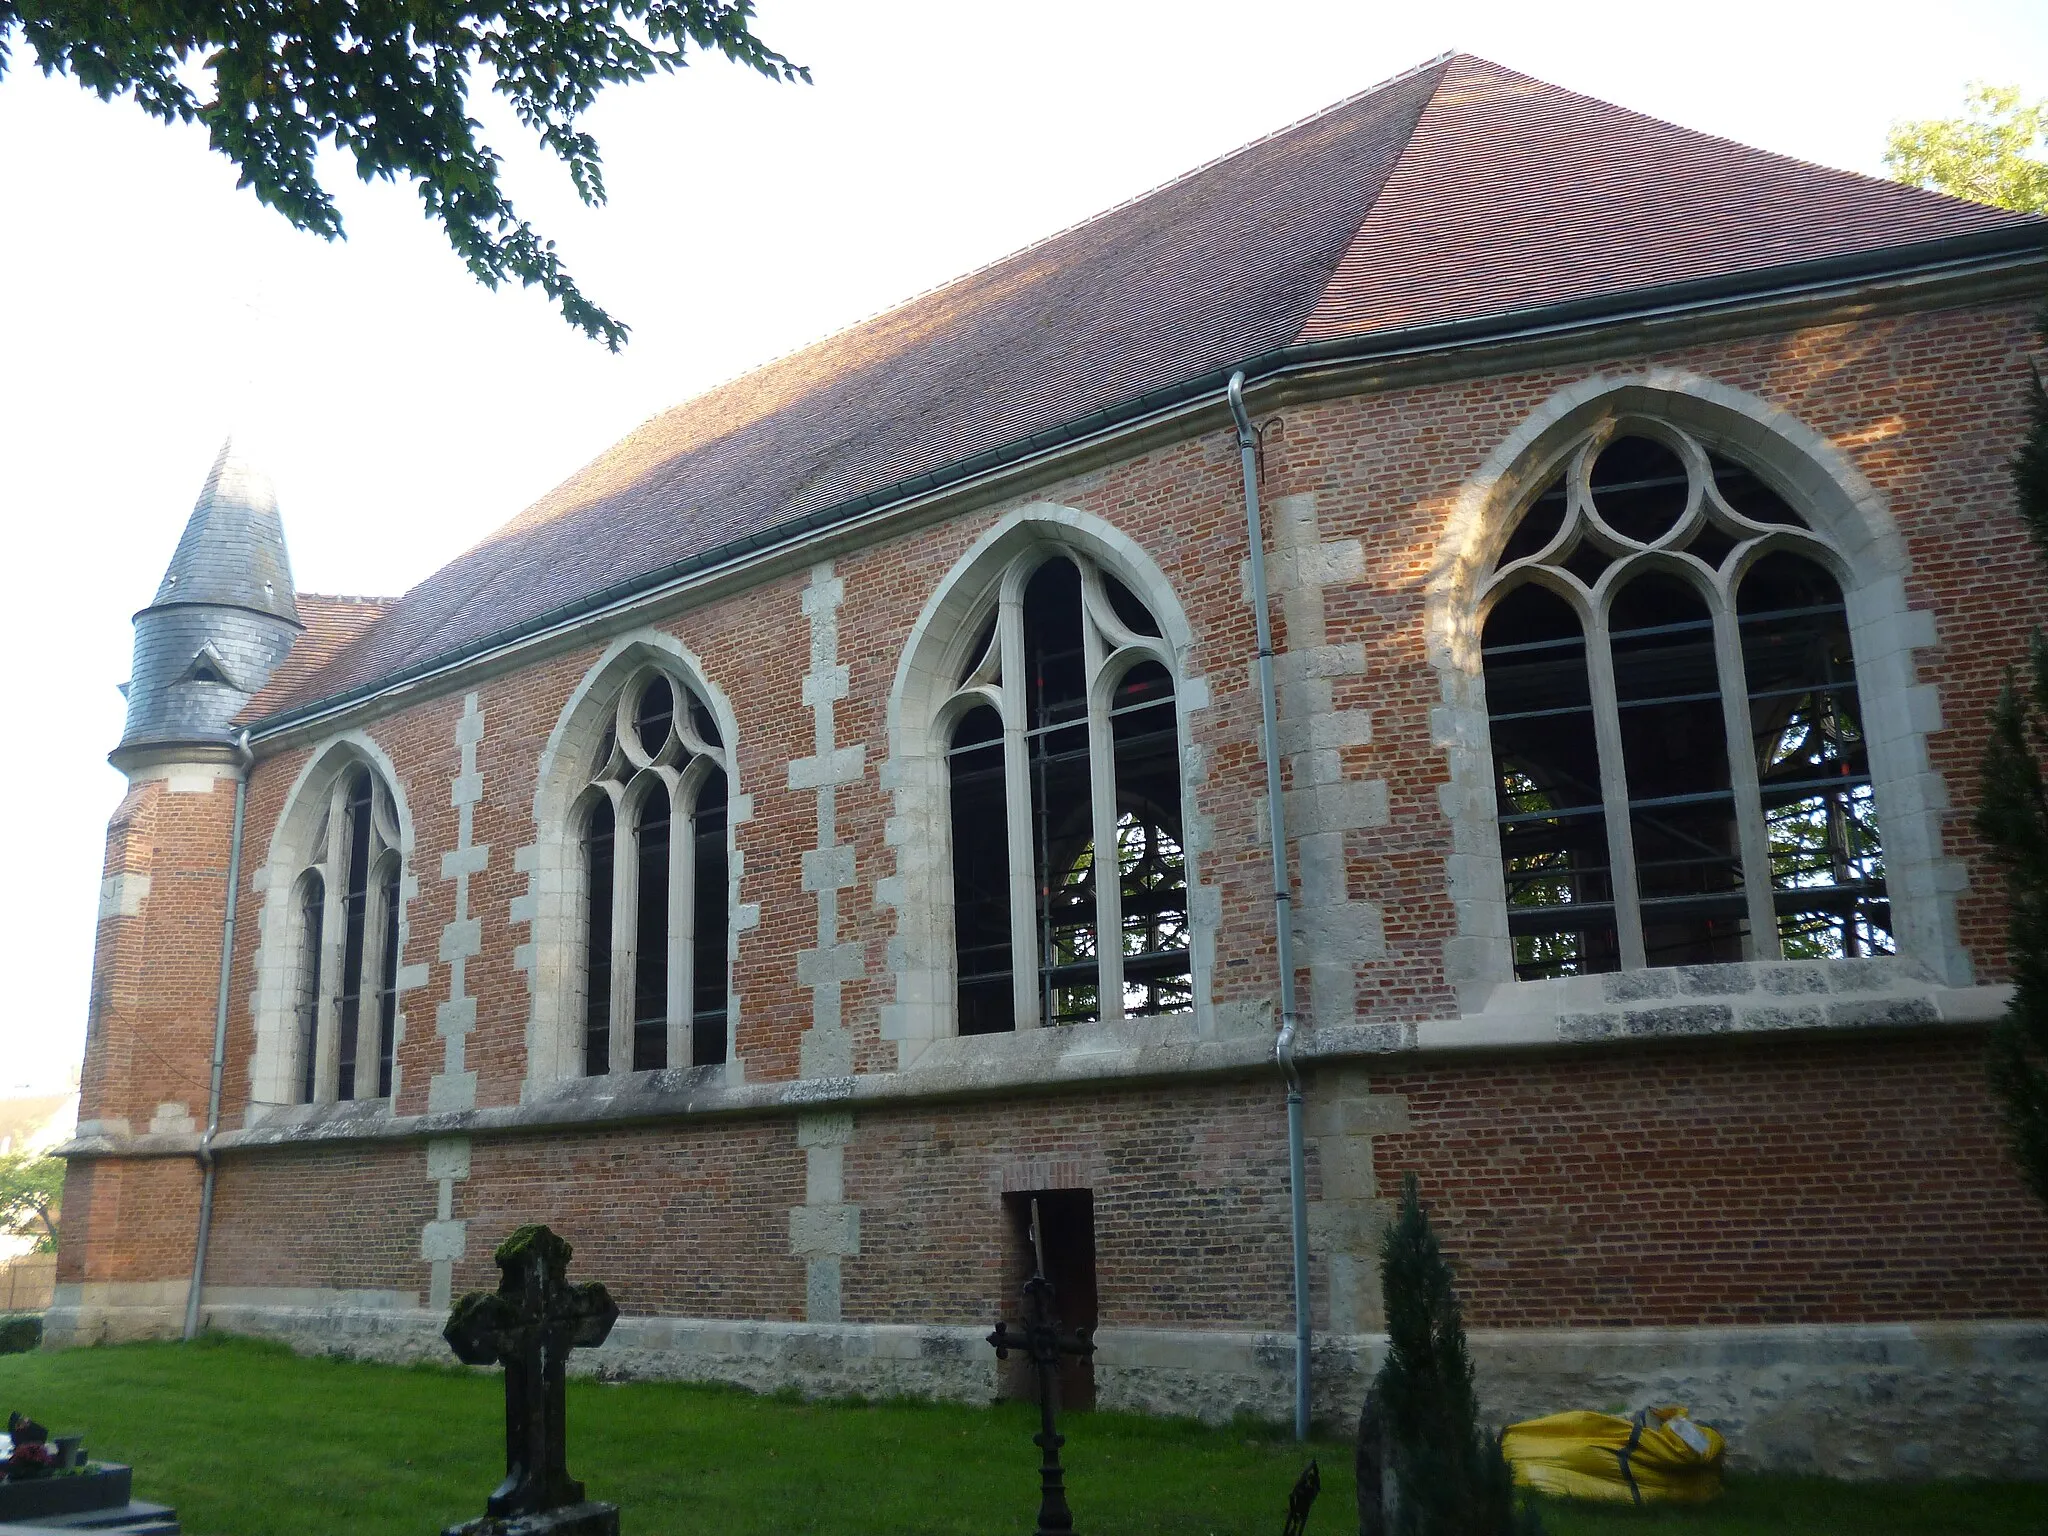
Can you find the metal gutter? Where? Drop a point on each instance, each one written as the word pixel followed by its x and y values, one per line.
pixel 1954 257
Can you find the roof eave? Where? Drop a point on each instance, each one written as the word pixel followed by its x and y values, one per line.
pixel 1958 255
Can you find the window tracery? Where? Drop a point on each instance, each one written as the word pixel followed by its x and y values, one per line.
pixel 1682 774
pixel 1063 740
pixel 344 1006
pixel 652 833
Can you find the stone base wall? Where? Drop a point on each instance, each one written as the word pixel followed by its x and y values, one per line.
pixel 1886 1400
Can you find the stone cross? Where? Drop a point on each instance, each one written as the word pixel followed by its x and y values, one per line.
pixel 530 1323
pixel 1042 1342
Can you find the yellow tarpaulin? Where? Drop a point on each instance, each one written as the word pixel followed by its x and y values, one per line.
pixel 1658 1457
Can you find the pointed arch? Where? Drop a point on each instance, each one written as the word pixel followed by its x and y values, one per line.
pixel 332 929
pixel 961 668
pixel 593 757
pixel 1850 532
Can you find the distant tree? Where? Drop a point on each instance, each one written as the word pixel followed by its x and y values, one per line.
pixel 1420 1429
pixel 31 1188
pixel 2013 819
pixel 389 81
pixel 1992 155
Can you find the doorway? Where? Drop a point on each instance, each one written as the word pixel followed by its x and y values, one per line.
pixel 1066 1225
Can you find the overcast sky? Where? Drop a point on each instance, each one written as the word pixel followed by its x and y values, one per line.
pixel 404 411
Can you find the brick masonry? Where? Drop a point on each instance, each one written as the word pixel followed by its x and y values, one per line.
pixel 1788 1181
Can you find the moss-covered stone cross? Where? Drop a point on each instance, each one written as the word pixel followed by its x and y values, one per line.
pixel 530 1323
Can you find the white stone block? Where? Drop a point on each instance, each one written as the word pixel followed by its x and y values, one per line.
pixel 824 1230
pixel 448 1158
pixel 122 895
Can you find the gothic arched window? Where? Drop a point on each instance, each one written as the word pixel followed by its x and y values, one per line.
pixel 1063 742
pixel 346 913
pixel 1678 750
pixel 652 830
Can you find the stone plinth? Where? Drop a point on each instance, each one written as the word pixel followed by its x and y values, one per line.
pixel 585 1519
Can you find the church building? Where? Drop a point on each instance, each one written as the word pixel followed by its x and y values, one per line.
pixel 837 819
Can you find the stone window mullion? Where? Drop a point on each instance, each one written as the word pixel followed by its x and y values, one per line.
pixel 625 931
pixel 333 936
pixel 1628 917
pixel 368 1014
pixel 1752 835
pixel 1024 956
pixel 682 926
pixel 1109 958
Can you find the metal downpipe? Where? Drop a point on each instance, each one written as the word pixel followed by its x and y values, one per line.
pixel 244 757
pixel 1283 898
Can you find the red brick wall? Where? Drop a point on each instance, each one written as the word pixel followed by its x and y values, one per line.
pixel 128 1220
pixel 1825 1182
pixel 1928 407
pixel 1833 1182
pixel 156 975
pixel 344 1217
pixel 1190 1192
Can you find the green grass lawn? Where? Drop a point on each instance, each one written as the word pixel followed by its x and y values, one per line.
pixel 249 1440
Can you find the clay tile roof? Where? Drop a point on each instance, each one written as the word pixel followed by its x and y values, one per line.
pixel 332 624
pixel 1456 192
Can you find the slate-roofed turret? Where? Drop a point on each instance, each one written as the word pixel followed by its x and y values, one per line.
pixel 221 621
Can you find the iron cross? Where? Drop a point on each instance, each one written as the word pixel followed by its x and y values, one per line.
pixel 530 1323
pixel 1041 1341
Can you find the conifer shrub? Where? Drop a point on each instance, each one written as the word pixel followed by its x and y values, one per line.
pixel 1420 1434
pixel 2013 818
pixel 20 1334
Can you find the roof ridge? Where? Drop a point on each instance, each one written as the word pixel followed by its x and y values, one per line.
pixel 358 598
pixel 1067 229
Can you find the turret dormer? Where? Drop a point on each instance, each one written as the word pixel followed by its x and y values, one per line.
pixel 222 619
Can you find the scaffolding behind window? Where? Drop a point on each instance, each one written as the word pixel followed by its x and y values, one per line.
pixel 1680 770
pixel 1065 742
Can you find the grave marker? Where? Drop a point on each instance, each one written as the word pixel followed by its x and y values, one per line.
pixel 529 1325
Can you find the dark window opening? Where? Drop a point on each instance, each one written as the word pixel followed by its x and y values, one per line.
pixel 1062 808
pixel 650 938
pixel 1674 751
pixel 1746 493
pixel 1553 826
pixel 1128 733
pixel 1066 1227
pixel 658 908
pixel 1539 524
pixel 599 831
pixel 1639 488
pixel 702 721
pixel 1813 763
pixel 1684 804
pixel 653 716
pixel 1136 617
pixel 387 984
pixel 981 874
pixel 1151 866
pixel 707 940
pixel 312 917
pixel 355 920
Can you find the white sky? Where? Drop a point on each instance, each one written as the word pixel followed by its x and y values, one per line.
pixel 404 411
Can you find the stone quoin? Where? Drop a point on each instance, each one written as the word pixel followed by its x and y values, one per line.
pixel 836 816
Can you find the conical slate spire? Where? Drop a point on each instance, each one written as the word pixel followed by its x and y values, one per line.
pixel 232 552
pixel 223 618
